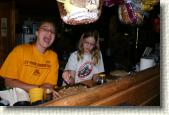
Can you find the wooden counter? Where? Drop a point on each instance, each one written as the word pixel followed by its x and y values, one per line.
pixel 141 88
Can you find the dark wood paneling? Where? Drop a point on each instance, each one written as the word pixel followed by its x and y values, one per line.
pixel 7 10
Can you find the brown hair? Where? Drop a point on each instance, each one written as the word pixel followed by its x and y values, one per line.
pixel 46 21
pixel 40 24
pixel 96 49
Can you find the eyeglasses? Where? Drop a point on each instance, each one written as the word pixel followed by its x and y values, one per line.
pixel 88 43
pixel 47 30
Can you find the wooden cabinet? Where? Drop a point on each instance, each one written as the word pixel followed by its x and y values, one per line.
pixel 7 28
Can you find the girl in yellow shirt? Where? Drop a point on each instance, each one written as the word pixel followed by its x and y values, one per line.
pixel 33 65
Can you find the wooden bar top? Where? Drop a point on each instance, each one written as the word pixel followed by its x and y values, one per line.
pixel 136 89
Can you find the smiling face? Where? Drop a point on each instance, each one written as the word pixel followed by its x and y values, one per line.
pixel 45 36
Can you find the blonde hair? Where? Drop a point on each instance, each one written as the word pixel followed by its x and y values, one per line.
pixel 96 49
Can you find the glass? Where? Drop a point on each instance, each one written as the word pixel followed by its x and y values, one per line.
pixel 47 30
pixel 88 43
pixel 36 94
pixel 100 79
pixel 48 95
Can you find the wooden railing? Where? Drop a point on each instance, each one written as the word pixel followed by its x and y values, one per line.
pixel 137 89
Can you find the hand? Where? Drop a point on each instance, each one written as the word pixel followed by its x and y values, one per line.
pixel 67 76
pixel 50 88
pixel 55 94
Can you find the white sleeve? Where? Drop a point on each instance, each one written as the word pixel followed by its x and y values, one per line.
pixel 100 65
pixel 72 62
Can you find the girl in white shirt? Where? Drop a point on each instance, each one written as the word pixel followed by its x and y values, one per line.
pixel 86 62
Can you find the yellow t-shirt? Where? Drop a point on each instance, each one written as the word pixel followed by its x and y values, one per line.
pixel 27 64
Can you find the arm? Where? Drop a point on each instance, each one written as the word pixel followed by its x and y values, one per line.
pixel 47 86
pixel 68 76
pixel 101 64
pixel 99 68
pixel 16 83
pixel 51 87
pixel 69 73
